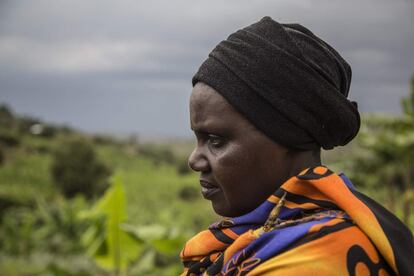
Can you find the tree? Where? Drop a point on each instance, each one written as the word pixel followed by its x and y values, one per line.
pixel 77 170
pixel 7 119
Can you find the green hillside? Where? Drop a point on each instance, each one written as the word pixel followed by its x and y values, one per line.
pixel 160 192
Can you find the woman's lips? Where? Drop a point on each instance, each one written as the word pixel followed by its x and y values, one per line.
pixel 208 189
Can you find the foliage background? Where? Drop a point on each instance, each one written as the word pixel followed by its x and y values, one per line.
pixel 125 67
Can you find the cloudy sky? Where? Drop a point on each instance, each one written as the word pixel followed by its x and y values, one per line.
pixel 125 66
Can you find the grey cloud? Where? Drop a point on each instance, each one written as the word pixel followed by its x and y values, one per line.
pixel 134 59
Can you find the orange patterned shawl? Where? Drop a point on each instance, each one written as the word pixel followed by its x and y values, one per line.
pixel 316 223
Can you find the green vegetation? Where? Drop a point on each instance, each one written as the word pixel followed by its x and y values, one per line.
pixel 44 229
pixel 386 158
pixel 60 214
pixel 76 169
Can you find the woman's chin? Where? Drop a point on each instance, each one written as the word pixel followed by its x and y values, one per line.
pixel 225 210
pixel 221 208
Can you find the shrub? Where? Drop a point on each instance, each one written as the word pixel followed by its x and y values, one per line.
pixel 76 169
pixel 24 229
pixel 157 154
pixel 182 166
pixel 101 139
pixel 7 119
pixel 9 138
pixel 43 130
pixel 25 123
pixel 1 156
pixel 188 193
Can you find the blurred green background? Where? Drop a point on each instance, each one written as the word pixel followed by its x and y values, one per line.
pixel 80 204
pixel 74 201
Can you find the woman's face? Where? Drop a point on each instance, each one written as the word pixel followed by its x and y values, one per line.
pixel 239 166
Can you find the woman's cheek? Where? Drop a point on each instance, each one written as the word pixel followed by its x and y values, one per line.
pixel 234 156
pixel 230 171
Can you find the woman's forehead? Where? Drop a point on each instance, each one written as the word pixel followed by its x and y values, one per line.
pixel 204 93
pixel 210 111
pixel 205 99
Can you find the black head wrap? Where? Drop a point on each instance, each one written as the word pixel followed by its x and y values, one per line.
pixel 287 82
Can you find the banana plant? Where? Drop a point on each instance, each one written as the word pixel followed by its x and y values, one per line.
pixel 111 247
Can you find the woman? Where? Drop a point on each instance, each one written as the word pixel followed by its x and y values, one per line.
pixel 264 103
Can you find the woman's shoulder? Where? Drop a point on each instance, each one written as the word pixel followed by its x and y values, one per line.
pixel 337 249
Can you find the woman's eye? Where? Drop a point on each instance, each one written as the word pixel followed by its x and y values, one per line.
pixel 215 141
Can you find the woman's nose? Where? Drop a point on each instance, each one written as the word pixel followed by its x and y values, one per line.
pixel 197 161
